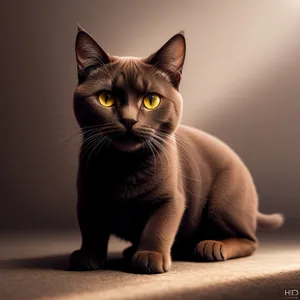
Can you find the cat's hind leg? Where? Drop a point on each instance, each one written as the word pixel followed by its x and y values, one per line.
pixel 211 250
pixel 230 217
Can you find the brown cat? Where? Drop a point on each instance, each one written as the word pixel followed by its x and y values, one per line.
pixel 168 189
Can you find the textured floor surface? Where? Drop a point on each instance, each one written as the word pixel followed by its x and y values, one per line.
pixel 34 266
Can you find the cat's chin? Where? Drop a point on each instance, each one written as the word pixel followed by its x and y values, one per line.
pixel 127 146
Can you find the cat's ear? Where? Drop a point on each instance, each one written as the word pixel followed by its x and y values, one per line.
pixel 88 52
pixel 170 57
pixel 79 27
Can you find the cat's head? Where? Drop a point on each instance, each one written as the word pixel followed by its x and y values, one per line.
pixel 128 102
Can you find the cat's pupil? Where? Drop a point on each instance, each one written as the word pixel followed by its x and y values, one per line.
pixel 107 97
pixel 151 99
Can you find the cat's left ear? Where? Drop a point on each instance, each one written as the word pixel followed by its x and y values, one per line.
pixel 170 57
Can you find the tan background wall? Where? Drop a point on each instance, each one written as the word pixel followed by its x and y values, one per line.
pixel 241 82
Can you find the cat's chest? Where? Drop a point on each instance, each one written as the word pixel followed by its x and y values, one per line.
pixel 121 182
pixel 129 218
pixel 123 189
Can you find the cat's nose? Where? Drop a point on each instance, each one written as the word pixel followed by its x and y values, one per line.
pixel 128 123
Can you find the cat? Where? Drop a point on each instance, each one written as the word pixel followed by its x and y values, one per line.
pixel 171 190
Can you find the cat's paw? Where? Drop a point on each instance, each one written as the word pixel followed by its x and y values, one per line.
pixel 81 261
pixel 151 262
pixel 211 250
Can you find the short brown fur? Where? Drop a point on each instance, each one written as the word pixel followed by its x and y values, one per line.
pixel 169 189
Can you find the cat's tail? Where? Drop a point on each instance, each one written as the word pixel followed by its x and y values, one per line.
pixel 269 221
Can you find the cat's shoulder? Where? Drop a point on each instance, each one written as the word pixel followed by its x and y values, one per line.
pixel 190 132
pixel 206 143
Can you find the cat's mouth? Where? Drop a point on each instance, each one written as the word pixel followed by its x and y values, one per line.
pixel 127 142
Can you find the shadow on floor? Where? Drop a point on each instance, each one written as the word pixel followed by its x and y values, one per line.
pixel 59 262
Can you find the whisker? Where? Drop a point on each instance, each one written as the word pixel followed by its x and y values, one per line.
pixel 91 139
pixel 181 143
pixel 88 143
pixel 107 142
pixel 97 144
pixel 162 148
pixel 82 130
pixel 188 163
pixel 151 149
pixel 185 188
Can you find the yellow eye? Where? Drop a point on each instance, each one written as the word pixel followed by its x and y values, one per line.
pixel 151 101
pixel 106 99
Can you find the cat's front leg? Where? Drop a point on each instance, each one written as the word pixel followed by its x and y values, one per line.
pixel 95 234
pixel 154 251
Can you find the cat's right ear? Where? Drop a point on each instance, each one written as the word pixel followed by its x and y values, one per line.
pixel 88 52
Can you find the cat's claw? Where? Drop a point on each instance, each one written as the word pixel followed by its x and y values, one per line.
pixel 210 250
pixel 151 262
pixel 81 261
